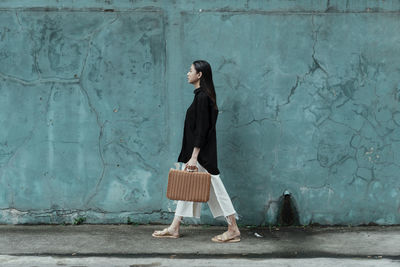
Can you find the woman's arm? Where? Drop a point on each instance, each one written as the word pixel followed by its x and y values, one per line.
pixel 202 125
pixel 193 159
pixel 202 120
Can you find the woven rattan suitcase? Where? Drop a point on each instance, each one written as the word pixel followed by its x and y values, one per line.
pixel 188 186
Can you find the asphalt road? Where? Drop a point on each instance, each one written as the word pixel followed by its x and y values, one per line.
pixel 39 261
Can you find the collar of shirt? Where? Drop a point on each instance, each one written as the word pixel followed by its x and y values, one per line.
pixel 197 90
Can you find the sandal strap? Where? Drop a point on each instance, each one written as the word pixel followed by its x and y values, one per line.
pixel 163 232
pixel 224 237
pixel 221 237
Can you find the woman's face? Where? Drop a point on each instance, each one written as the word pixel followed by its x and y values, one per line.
pixel 192 75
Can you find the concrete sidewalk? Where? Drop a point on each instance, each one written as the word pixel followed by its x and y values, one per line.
pixel 136 241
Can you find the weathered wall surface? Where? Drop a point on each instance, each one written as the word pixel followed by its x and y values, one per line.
pixel 93 97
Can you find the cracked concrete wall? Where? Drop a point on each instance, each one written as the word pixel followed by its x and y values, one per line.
pixel 93 97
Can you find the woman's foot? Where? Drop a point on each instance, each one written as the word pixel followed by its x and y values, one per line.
pixel 166 233
pixel 229 236
pixel 172 231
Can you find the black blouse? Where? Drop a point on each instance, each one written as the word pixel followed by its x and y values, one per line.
pixel 199 131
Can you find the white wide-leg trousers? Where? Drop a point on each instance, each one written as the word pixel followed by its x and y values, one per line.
pixel 220 203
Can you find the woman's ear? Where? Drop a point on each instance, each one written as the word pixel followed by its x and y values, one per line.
pixel 200 74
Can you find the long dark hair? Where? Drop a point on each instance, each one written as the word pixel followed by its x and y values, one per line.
pixel 206 81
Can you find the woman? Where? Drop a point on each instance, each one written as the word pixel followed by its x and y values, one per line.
pixel 199 148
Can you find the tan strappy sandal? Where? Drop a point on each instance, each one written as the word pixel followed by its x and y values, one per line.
pixel 224 238
pixel 164 234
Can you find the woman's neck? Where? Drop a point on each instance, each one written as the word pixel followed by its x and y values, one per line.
pixel 196 85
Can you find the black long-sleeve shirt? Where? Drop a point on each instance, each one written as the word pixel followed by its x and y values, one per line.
pixel 199 131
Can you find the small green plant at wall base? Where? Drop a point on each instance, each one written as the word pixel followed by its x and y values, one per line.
pixel 79 220
pixel 128 221
pixel 241 225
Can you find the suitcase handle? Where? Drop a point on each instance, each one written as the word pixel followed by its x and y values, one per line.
pixel 191 168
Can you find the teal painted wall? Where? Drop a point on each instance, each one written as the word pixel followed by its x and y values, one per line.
pixel 93 96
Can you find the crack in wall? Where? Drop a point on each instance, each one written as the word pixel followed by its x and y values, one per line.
pixel 101 126
pixel 139 156
pixel 255 120
pixel 92 108
pixel 292 90
pixel 19 21
pixel 38 81
pixel 90 41
pixel 316 64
